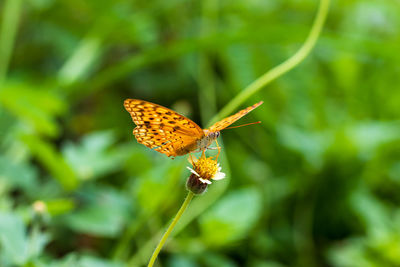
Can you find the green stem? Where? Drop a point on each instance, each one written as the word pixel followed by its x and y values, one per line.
pixel 170 228
pixel 9 25
pixel 282 68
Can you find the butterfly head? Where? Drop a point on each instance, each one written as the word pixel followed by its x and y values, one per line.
pixel 213 135
pixel 206 141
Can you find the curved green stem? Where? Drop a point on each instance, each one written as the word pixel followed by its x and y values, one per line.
pixel 170 228
pixel 282 68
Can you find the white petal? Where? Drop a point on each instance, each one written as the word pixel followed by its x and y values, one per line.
pixel 204 181
pixel 219 176
pixel 193 171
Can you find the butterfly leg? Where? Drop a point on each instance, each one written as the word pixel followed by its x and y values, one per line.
pixel 219 149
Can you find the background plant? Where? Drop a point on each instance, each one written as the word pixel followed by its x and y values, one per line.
pixel 316 183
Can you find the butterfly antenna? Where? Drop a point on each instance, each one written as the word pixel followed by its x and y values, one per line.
pixel 257 122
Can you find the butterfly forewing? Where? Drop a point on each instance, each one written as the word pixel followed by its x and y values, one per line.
pixel 162 129
pixel 222 124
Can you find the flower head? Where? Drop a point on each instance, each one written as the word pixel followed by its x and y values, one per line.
pixel 39 207
pixel 204 170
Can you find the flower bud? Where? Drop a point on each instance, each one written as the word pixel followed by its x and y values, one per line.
pixel 195 185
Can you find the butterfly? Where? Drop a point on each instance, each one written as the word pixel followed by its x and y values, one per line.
pixel 172 134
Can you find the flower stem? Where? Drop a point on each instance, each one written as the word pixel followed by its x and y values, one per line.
pixel 170 228
pixel 282 68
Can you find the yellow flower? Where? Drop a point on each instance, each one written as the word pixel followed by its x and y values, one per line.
pixel 204 170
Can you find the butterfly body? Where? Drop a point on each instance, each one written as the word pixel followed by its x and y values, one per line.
pixel 170 133
pixel 183 149
pixel 207 140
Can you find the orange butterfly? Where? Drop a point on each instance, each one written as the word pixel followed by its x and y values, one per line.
pixel 170 133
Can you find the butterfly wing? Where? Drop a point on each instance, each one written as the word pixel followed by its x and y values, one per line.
pixel 222 124
pixel 162 129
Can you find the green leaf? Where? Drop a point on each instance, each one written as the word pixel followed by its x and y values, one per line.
pixel 214 259
pixel 312 145
pixel 7 123
pixel 89 261
pixel 35 107
pixel 80 61
pixel 59 206
pixel 13 238
pixel 155 187
pixel 93 157
pixel 52 160
pixel 37 241
pixel 350 253
pixel 369 136
pixel 181 261
pixel 374 214
pixel 19 175
pixel 231 218
pixel 83 261
pixel 104 214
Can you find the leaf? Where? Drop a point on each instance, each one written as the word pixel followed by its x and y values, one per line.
pixel 240 66
pixel 83 261
pixel 154 189
pixel 374 214
pixel 214 259
pixel 7 123
pixel 104 214
pixel 89 261
pixel 35 107
pixel 59 206
pixel 19 175
pixel 369 136
pixel 37 241
pixel 181 261
pixel 350 253
pixel 80 61
pixel 52 160
pixel 93 157
pixel 312 145
pixel 13 238
pixel 231 218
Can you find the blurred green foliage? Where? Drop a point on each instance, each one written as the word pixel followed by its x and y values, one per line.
pixel 316 184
